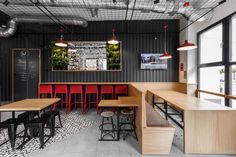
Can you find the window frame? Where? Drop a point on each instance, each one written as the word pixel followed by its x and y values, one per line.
pixel 226 53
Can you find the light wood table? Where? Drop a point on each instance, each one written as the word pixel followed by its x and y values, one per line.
pixel 118 104
pixel 209 128
pixel 36 104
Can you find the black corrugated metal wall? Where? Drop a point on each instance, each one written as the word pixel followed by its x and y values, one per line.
pixel 136 37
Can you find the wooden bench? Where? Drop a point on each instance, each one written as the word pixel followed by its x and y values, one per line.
pixel 158 134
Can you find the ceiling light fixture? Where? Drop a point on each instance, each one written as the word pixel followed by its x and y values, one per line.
pixel 165 55
pixel 186 46
pixel 61 42
pixel 113 40
pixel 186 4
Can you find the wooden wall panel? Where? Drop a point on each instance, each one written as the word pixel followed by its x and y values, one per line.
pixel 217 138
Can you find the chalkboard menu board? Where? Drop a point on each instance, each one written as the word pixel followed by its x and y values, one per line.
pixel 88 56
pixel 26 73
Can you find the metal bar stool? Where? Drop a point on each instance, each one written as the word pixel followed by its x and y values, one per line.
pixel 90 89
pixel 106 90
pixel 74 91
pixel 121 90
pixel 62 90
pixel 107 121
pixel 128 120
pixel 45 90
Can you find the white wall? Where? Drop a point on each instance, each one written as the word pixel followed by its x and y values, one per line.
pixel 190 57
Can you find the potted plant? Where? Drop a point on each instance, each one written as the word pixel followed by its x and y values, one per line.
pixel 59 57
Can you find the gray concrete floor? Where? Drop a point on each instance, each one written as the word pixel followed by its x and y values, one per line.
pixel 86 144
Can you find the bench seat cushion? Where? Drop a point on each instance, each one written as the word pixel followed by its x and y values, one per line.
pixel 154 118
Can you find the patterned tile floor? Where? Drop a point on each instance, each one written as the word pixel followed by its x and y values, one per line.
pixel 72 124
pixel 84 142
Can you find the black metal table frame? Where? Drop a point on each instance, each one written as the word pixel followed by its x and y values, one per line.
pixel 169 115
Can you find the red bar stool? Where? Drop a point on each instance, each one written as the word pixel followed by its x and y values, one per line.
pixel 62 90
pixel 74 91
pixel 45 90
pixel 121 90
pixel 90 89
pixel 106 89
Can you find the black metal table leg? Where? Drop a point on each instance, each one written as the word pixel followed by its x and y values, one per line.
pixel 13 115
pixel 166 110
pixel 118 124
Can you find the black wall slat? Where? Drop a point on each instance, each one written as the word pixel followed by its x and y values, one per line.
pixel 138 37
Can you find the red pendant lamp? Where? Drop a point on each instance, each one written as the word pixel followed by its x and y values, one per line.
pixel 186 46
pixel 60 42
pixel 113 40
pixel 165 55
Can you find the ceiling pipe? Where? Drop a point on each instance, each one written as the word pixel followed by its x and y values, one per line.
pixel 12 24
pixel 172 7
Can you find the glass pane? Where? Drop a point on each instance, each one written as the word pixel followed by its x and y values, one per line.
pixel 233 39
pixel 212 79
pixel 233 84
pixel 213 98
pixel 211 45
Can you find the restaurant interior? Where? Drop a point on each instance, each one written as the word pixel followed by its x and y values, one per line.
pixel 109 78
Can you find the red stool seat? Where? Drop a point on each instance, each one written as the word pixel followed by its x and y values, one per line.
pixel 45 90
pixel 121 90
pixel 75 90
pixel 106 89
pixel 62 90
pixel 90 89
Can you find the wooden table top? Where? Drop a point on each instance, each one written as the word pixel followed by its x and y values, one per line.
pixel 87 83
pixel 186 102
pixel 127 98
pixel 29 104
pixel 117 103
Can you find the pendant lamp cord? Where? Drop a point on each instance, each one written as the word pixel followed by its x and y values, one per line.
pixel 61 30
pixel 165 27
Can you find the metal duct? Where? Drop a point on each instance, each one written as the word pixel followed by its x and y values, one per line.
pixel 171 7
pixel 68 21
pixel 10 30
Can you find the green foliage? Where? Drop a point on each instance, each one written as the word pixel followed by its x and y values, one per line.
pixel 113 57
pixel 59 57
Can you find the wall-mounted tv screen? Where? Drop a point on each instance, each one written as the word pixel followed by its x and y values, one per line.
pixel 152 61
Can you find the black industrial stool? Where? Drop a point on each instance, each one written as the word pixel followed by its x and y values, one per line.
pixel 107 116
pixel 54 113
pixel 38 125
pixel 127 124
pixel 10 124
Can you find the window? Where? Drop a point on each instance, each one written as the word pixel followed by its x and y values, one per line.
pixel 217 61
pixel 233 60
pixel 212 79
pixel 212 72
pixel 233 84
pixel 211 45
pixel 233 39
